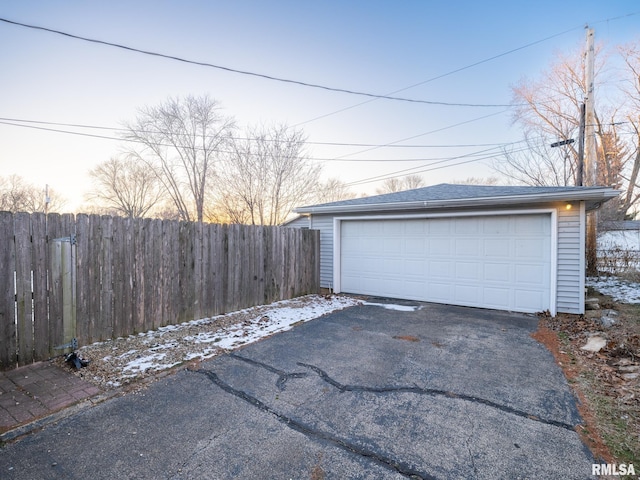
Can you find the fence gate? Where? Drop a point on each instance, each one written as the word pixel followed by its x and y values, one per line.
pixel 63 290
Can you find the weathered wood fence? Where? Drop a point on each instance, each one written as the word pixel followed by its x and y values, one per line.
pixel 109 277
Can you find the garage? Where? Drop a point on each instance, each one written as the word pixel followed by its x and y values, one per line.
pixel 500 261
pixel 516 248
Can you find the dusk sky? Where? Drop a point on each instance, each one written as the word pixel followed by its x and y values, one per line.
pixel 457 52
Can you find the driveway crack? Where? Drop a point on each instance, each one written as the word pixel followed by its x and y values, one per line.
pixel 434 393
pixel 283 377
pixel 468 443
pixel 311 432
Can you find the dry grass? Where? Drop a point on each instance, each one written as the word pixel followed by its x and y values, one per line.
pixel 607 382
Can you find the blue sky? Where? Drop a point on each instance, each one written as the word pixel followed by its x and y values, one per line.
pixel 370 46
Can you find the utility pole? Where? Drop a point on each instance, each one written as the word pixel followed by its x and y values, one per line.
pixel 580 175
pixel 590 151
pixel 590 118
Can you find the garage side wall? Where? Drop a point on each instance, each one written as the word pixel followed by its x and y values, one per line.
pixel 570 255
pixel 571 258
pixel 324 223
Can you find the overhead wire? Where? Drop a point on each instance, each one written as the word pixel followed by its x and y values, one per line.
pixel 105 137
pixel 246 72
pixel 437 77
pixel 339 144
pixel 420 169
pixel 373 97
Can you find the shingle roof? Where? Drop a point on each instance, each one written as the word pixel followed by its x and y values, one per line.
pixel 446 192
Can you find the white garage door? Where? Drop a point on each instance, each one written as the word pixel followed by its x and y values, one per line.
pixel 501 262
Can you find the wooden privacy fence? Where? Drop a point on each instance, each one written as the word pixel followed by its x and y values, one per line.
pixel 94 277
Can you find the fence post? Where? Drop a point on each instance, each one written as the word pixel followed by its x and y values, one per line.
pixel 63 273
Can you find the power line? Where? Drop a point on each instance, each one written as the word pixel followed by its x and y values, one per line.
pixel 437 77
pixel 246 72
pixel 10 121
pixel 105 137
pixel 416 170
pixel 425 133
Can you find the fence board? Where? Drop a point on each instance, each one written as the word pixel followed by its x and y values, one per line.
pixel 134 275
pixel 118 272
pixel 153 275
pixel 128 287
pixel 185 304
pixel 83 332
pixel 54 230
pixel 24 305
pixel 39 266
pixel 140 228
pixel 106 278
pixel 94 288
pixel 8 338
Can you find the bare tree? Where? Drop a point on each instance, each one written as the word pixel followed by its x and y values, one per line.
pixel 333 190
pixel 477 181
pixel 631 90
pixel 17 195
pixel 549 112
pixel 125 186
pixel 182 139
pixel 266 176
pixel 392 185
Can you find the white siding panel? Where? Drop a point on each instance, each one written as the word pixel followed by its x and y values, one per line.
pixel 324 223
pixel 570 296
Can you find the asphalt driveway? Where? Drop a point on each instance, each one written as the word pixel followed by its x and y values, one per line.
pixel 369 392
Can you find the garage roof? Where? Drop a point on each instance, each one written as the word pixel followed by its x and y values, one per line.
pixel 446 195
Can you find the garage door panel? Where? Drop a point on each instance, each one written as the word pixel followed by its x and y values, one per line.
pixel 467 294
pixel 392 245
pixel 440 269
pixel 415 246
pixel 527 225
pixel 499 262
pixel 440 292
pixel 467 226
pixel 419 229
pixel 496 226
pixel 467 271
pixel 416 267
pixel 439 246
pixel 392 266
pixel 496 247
pixel 531 275
pixel 497 297
pixel 438 226
pixel 533 248
pixel 527 300
pixel 497 272
pixel 466 247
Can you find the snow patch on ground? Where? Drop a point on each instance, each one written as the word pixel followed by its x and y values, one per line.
pixel 391 306
pixel 119 361
pixel 620 290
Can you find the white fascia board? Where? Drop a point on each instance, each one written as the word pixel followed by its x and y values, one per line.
pixel 602 195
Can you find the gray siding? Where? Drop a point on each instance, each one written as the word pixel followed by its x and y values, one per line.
pixel 570 255
pixel 300 222
pixel 324 223
pixel 570 286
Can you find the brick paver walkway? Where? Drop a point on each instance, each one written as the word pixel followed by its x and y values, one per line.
pixel 31 392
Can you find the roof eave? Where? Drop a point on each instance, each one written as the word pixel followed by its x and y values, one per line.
pixel 594 199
